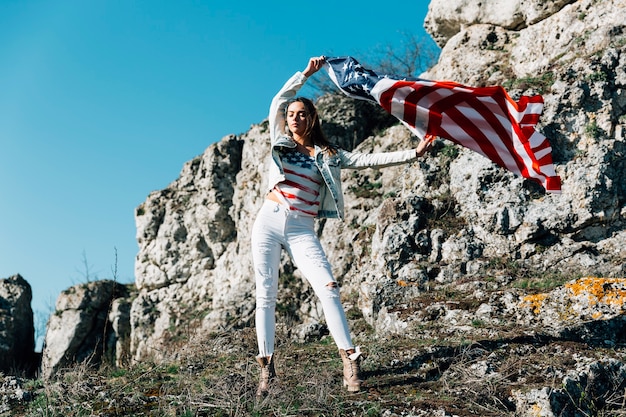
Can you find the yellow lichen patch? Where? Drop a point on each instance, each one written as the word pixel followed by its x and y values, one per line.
pixel 607 291
pixel 534 301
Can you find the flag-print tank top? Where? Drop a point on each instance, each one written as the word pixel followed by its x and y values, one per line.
pixel 303 180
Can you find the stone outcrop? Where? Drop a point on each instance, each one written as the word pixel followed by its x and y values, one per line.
pixel 17 334
pixel 447 18
pixel 452 215
pixel 90 320
pixel 592 383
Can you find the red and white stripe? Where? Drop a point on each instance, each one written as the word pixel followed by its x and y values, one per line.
pixel 484 119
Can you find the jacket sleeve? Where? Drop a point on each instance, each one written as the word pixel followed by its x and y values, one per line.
pixel 357 160
pixel 277 108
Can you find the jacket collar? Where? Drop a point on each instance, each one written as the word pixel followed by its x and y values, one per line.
pixel 286 141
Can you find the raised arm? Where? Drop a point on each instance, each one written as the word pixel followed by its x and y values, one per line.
pixel 287 92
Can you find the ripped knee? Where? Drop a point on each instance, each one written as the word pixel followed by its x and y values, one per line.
pixel 332 285
pixel 265 275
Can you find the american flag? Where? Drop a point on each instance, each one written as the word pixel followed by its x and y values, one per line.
pixel 484 119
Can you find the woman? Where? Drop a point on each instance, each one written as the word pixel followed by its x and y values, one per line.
pixel 304 183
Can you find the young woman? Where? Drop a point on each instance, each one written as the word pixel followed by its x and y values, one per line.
pixel 304 183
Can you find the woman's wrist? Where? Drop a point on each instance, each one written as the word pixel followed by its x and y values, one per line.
pixel 424 146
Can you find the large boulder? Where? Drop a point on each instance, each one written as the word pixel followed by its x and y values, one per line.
pixel 447 18
pixel 88 322
pixel 17 334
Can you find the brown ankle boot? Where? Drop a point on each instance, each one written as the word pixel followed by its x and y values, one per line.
pixel 266 375
pixel 351 369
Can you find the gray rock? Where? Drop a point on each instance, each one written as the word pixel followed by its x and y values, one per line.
pixel 13 394
pixel 583 392
pixel 83 324
pixel 17 334
pixel 447 18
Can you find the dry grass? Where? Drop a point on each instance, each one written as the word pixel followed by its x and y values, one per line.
pixel 216 375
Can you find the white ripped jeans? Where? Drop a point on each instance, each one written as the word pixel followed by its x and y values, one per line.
pixel 277 227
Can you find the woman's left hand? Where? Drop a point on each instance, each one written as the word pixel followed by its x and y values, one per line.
pixel 314 65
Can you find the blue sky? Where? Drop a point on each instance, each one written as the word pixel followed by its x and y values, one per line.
pixel 102 102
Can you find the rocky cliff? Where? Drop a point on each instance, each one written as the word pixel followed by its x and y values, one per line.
pixel 451 216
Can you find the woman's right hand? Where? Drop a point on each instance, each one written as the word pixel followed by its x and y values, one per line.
pixel 314 65
pixel 425 145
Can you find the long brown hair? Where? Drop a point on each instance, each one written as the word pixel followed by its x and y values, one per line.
pixel 313 126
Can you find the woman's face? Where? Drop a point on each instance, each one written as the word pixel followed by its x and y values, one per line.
pixel 297 121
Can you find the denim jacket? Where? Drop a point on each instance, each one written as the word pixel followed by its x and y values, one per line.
pixel 328 163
